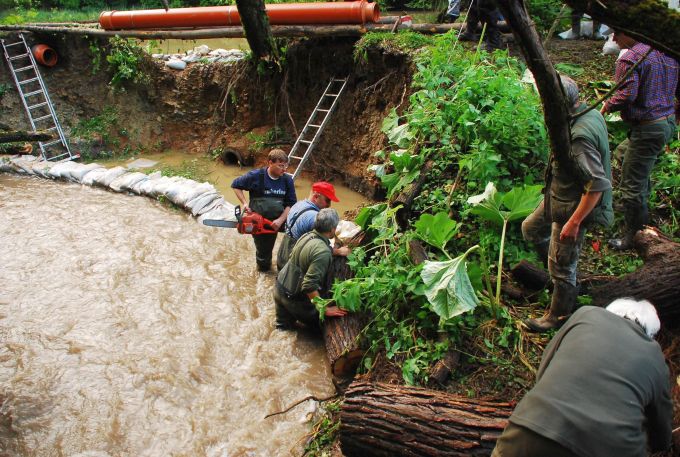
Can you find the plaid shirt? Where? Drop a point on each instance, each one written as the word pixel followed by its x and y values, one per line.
pixel 647 94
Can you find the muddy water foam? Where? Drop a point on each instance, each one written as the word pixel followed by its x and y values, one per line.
pixel 127 329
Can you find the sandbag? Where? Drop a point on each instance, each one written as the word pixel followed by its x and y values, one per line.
pixel 107 178
pixel 23 167
pixel 62 170
pixel 223 210
pixel 90 177
pixel 42 168
pixel 124 182
pixel 137 187
pixel 198 205
pixel 78 173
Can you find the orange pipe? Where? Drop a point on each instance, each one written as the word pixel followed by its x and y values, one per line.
pixel 357 12
pixel 44 55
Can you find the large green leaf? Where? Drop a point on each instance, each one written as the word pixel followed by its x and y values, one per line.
pixel 436 230
pixel 400 136
pixel 488 205
pixel 522 201
pixel 448 287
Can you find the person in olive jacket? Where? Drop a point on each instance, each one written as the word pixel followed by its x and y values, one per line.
pixel 602 389
pixel 272 193
pixel 304 275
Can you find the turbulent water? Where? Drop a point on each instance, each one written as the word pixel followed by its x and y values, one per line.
pixel 128 329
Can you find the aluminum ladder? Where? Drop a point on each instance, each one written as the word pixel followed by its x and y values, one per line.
pixel 36 100
pixel 316 123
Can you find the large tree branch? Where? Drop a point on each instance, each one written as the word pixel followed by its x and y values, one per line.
pixel 256 26
pixel 549 88
pixel 648 21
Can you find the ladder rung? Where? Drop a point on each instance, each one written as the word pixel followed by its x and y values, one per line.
pixel 51 128
pixel 332 95
pixel 305 141
pixel 339 80
pixel 42 118
pixel 26 81
pixel 19 70
pixel 324 110
pixel 14 44
pixel 38 105
pixel 39 91
pixel 295 157
pixel 51 143
pixel 20 56
pixel 314 125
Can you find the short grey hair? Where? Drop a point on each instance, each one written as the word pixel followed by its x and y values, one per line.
pixel 570 90
pixel 642 312
pixel 326 220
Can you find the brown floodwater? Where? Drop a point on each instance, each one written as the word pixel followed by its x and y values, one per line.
pixel 128 329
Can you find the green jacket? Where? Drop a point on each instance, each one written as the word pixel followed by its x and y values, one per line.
pixel 308 265
pixel 587 170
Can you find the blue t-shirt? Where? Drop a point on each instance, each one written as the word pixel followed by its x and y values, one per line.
pixel 304 222
pixel 282 187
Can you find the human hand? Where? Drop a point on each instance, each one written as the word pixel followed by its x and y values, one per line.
pixel 277 223
pixel 604 109
pixel 569 231
pixel 334 311
pixel 342 251
pixel 246 208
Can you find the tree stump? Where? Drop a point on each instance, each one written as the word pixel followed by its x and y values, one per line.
pixel 389 420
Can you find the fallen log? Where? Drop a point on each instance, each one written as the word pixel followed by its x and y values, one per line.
pixel 657 280
pixel 390 420
pixel 14 136
pixel 341 335
pixel 234 32
pixel 441 370
pixel 529 275
pixel 25 148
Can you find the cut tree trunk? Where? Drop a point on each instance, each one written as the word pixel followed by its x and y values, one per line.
pixel 14 136
pixel 389 420
pixel 441 370
pixel 342 334
pixel 531 276
pixel 634 18
pixel 658 280
pixel 256 26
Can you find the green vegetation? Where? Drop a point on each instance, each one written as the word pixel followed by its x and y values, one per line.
pixel 404 41
pixel 272 137
pixel 191 169
pixel 324 431
pixel 125 60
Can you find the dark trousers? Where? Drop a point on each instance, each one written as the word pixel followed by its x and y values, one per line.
pixel 486 12
pixel 646 144
pixel 518 441
pixel 289 310
pixel 264 246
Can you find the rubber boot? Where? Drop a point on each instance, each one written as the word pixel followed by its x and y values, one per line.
pixel 493 40
pixel 634 219
pixel 562 304
pixel 469 33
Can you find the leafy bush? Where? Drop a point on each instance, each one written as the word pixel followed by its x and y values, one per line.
pixel 125 60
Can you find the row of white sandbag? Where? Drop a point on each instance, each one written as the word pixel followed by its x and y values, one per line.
pixel 197 198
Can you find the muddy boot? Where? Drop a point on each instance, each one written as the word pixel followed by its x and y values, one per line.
pixel 562 304
pixel 634 219
pixel 493 40
pixel 469 33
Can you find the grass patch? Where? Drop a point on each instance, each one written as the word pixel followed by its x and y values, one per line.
pixel 402 42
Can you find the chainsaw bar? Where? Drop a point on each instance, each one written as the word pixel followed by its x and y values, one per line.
pixel 220 223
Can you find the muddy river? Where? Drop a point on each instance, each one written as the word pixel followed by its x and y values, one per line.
pixel 128 329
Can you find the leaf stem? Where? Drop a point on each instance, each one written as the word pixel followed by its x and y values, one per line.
pixel 500 264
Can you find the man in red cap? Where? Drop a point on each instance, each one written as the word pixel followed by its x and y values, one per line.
pixel 301 220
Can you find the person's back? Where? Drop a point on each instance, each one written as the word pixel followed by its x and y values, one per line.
pixel 600 380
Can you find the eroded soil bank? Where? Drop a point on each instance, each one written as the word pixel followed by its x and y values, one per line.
pixel 208 107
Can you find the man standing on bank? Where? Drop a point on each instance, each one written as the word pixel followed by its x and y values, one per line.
pixel 578 194
pixel 602 389
pixel 646 102
pixel 272 193
pixel 304 275
pixel 301 220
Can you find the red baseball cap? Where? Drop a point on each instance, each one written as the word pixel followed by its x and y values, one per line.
pixel 326 189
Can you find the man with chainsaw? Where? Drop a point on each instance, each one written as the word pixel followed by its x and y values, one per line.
pixel 301 220
pixel 272 193
pixel 578 193
pixel 304 275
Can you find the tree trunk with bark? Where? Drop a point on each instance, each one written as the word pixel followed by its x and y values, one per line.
pixel 648 21
pixel 256 26
pixel 341 335
pixel 406 197
pixel 658 280
pixel 14 136
pixel 389 420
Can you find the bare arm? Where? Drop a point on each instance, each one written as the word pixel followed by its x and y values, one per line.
pixel 242 198
pixel 588 201
pixel 278 222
